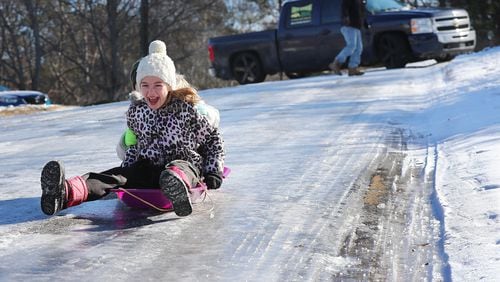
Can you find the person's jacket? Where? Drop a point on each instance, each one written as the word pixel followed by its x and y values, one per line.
pixel 353 13
pixel 176 131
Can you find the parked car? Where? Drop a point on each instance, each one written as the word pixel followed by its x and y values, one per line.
pixel 308 38
pixel 23 97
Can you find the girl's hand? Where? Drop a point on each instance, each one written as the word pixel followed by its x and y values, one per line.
pixel 212 181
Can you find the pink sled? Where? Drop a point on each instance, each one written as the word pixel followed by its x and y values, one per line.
pixel 154 198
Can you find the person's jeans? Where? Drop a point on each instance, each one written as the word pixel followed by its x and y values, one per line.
pixel 353 47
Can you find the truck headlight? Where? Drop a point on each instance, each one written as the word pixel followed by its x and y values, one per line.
pixel 421 25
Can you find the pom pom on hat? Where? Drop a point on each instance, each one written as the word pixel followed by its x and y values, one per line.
pixel 158 64
pixel 157 46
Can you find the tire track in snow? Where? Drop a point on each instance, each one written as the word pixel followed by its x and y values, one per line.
pixel 395 236
pixel 302 239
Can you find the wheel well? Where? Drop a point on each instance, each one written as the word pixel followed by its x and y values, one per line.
pixel 377 38
pixel 256 72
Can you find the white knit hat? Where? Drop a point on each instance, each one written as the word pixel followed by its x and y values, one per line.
pixel 157 63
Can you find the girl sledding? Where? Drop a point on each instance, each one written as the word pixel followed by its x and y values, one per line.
pixel 176 146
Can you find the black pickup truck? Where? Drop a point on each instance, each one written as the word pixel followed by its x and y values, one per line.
pixel 308 38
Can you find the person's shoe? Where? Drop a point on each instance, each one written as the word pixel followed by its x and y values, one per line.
pixel 174 188
pixel 53 188
pixel 354 71
pixel 335 67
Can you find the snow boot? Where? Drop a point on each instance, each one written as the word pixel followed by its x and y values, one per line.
pixel 53 188
pixel 58 193
pixel 335 67
pixel 174 185
pixel 354 71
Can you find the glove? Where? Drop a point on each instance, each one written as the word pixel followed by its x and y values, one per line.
pixel 213 181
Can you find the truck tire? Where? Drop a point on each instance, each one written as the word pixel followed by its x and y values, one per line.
pixel 247 68
pixel 445 58
pixel 393 50
pixel 294 75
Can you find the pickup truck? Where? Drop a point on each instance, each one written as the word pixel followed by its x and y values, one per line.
pixel 308 38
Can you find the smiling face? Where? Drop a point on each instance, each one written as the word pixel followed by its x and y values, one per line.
pixel 154 91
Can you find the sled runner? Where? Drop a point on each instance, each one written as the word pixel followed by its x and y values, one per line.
pixel 154 198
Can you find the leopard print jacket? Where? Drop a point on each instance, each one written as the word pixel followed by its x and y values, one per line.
pixel 174 132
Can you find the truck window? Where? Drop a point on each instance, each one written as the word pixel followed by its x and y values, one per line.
pixel 377 6
pixel 300 14
pixel 330 11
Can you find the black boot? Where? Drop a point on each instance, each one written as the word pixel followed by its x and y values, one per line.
pixel 174 188
pixel 53 188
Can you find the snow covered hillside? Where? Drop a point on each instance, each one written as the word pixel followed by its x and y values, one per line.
pixel 389 176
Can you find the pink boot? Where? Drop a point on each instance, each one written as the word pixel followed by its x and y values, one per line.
pixel 175 186
pixel 58 193
pixel 76 191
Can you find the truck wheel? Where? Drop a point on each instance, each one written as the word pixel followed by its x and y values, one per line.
pixel 293 75
pixel 445 58
pixel 393 51
pixel 247 69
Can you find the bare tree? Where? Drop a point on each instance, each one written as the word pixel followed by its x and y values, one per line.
pixel 253 15
pixel 92 38
pixel 81 51
pixel 32 10
pixel 115 83
pixel 16 51
pixel 185 26
pixel 144 30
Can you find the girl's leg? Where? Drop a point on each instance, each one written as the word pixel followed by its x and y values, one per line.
pixel 59 193
pixel 141 174
pixel 192 174
pixel 175 182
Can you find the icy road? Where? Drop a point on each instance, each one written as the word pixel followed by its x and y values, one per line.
pixel 333 178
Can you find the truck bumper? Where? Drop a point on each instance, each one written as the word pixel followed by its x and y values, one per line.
pixel 431 45
pixel 221 72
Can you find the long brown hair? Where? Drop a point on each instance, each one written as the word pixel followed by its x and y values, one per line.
pixel 186 94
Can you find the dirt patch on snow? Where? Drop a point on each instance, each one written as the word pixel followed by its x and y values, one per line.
pixel 29 109
pixel 393 228
pixel 376 190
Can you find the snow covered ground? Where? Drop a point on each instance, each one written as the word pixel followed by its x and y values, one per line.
pixel 389 176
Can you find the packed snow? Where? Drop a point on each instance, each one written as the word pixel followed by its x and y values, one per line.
pixel 389 176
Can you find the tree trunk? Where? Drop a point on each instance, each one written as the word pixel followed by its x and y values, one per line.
pixel 32 9
pixel 112 7
pixel 144 27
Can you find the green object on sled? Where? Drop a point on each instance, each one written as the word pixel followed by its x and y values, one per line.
pixel 130 138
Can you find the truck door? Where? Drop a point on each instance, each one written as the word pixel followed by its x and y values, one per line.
pixel 298 37
pixel 332 41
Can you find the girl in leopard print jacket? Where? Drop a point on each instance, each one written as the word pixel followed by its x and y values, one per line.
pixel 176 147
pixel 176 131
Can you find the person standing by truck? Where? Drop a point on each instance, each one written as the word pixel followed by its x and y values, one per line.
pixel 352 22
